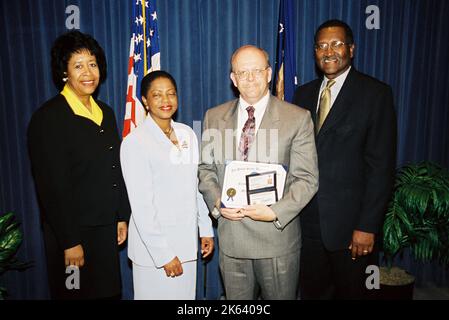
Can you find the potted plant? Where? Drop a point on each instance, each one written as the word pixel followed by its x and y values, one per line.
pixel 417 219
pixel 10 240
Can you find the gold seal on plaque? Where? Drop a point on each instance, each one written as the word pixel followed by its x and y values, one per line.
pixel 231 192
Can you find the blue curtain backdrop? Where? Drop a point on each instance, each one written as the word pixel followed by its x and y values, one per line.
pixel 410 51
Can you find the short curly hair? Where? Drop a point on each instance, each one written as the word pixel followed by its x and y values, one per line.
pixel 334 23
pixel 68 44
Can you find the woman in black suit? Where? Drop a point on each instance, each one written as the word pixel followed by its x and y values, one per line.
pixel 74 150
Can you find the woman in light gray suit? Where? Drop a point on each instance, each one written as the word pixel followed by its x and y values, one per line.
pixel 160 162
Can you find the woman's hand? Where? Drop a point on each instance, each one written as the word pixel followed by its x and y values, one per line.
pixel 74 256
pixel 173 268
pixel 122 232
pixel 207 246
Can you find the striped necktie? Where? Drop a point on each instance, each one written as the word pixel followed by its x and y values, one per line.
pixel 248 133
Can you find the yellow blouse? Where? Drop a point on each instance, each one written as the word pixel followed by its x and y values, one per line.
pixel 79 109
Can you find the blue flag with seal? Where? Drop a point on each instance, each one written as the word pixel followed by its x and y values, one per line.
pixel 285 79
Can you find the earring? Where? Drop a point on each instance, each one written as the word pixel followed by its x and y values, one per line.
pixel 65 79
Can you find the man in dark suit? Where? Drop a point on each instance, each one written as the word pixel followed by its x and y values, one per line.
pixel 355 128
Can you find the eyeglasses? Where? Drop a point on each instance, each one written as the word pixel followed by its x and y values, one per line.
pixel 335 45
pixel 244 75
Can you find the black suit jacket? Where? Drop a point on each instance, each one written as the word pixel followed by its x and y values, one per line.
pixel 76 166
pixel 356 149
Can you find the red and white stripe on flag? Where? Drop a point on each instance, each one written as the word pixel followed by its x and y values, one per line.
pixel 144 56
pixel 134 112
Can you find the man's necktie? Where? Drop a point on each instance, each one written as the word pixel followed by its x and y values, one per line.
pixel 325 105
pixel 248 133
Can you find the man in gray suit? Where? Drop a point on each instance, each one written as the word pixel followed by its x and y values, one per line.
pixel 259 244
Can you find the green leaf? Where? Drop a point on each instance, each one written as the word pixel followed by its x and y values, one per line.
pixel 10 240
pixel 5 221
pixel 5 255
pixel 418 214
pixel 3 293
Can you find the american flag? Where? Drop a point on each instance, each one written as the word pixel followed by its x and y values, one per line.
pixel 285 79
pixel 144 57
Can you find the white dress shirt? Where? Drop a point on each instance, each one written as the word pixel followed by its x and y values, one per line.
pixel 335 89
pixel 259 111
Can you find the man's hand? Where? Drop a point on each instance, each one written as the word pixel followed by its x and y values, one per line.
pixel 362 243
pixel 232 214
pixel 173 268
pixel 207 246
pixel 74 256
pixel 122 232
pixel 259 212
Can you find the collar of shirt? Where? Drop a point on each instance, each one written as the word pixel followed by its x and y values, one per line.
pixel 259 110
pixel 335 89
pixel 79 109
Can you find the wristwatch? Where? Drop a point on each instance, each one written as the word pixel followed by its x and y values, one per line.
pixel 215 213
pixel 277 223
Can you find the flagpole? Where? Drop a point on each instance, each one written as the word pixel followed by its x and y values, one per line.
pixel 145 64
pixel 285 79
pixel 143 57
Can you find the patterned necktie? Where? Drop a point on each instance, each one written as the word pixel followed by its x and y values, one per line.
pixel 325 105
pixel 248 133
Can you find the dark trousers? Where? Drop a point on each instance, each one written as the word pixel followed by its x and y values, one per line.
pixel 328 275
